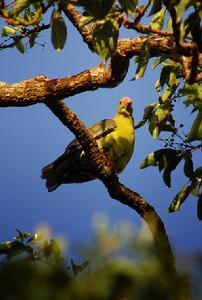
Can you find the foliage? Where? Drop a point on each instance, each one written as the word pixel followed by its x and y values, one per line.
pixel 123 266
pixel 179 75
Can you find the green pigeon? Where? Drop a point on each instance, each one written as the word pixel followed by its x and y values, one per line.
pixel 115 137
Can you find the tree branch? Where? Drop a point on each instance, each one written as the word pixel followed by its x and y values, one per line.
pixel 116 190
pixel 41 89
pixel 74 16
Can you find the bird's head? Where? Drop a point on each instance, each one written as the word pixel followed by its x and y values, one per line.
pixel 125 106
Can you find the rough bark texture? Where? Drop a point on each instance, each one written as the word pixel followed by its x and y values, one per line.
pixel 41 89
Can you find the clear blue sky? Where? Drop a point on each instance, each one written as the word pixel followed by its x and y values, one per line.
pixel 31 137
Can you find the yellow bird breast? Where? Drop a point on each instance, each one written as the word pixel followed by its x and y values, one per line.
pixel 118 145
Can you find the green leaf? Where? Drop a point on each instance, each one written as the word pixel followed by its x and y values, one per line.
pixel 147 114
pixel 194 90
pixel 190 24
pixel 155 7
pixel 158 20
pixel 19 45
pixel 159 118
pixel 58 30
pixel 198 172
pixel 169 91
pixel 162 113
pixel 170 25
pixel 154 126
pixel 148 110
pixel 158 86
pixel 166 94
pixel 188 165
pixel 172 83
pixel 20 5
pixel 8 31
pixel 105 37
pixel 195 186
pixel 193 93
pixel 170 165
pixel 181 7
pixel 86 20
pixel 153 158
pixel 32 39
pixel 156 62
pixel 98 9
pixel 179 199
pixel 150 160
pixel 199 207
pixel 21 235
pixel 28 14
pixel 166 159
pixel 52 250
pixel 165 75
pixel 143 61
pixel 167 127
pixel 79 268
pixel 17 248
pixel 128 6
pixel 196 129
pixel 5 247
pixel 159 60
pixel 169 74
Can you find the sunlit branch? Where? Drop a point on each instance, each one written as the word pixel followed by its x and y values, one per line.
pixel 40 88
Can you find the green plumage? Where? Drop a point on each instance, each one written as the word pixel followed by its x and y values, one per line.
pixel 115 137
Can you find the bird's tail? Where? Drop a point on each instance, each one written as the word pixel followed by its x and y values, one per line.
pixel 49 175
pixel 53 173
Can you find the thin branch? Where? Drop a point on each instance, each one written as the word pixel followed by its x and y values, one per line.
pixel 141 12
pixel 194 60
pixel 25 33
pixel 35 20
pixel 145 29
pixel 117 190
pixel 9 4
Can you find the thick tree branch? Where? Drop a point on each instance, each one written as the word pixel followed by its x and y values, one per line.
pixel 117 191
pixel 41 89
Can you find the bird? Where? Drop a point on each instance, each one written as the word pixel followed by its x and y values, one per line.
pixel 115 137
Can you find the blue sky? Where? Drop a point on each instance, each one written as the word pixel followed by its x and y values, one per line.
pixel 31 137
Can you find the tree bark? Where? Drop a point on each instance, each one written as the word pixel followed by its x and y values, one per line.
pixel 41 89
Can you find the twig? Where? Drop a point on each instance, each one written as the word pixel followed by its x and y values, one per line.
pixel 141 12
pixel 26 33
pixel 9 4
pixel 13 22
pixel 145 29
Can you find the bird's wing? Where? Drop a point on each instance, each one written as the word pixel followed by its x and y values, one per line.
pixel 99 129
pixel 102 128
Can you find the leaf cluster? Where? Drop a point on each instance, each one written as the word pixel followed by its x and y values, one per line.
pixel 171 87
pixel 33 268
